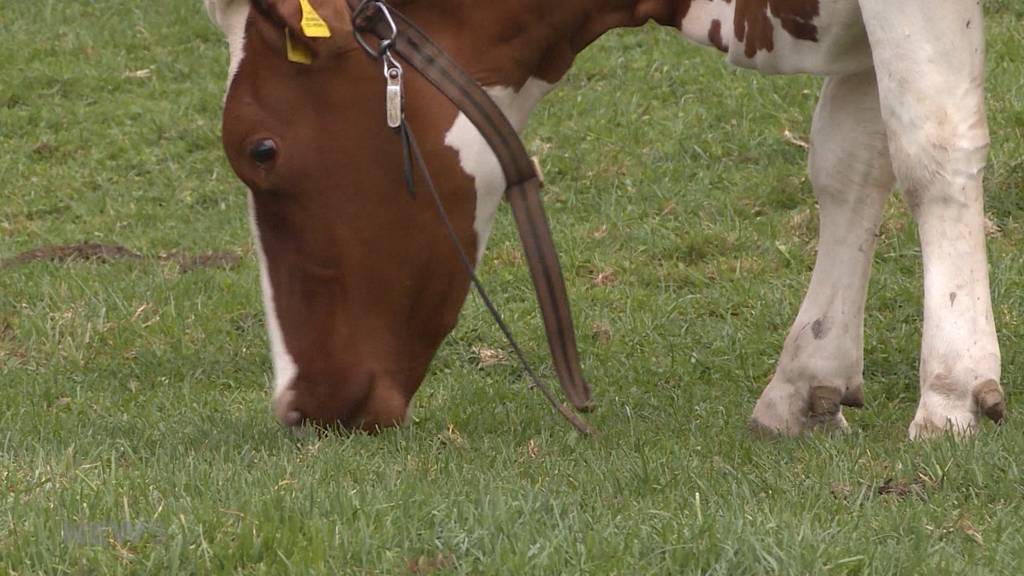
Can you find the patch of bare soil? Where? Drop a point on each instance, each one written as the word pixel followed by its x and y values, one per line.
pixel 900 489
pixel 892 488
pixel 83 251
pixel 8 344
pixel 91 251
pixel 430 564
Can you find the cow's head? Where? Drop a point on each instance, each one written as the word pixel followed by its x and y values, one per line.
pixel 360 280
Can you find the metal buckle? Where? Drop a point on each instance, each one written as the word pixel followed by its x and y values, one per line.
pixel 363 12
pixel 392 69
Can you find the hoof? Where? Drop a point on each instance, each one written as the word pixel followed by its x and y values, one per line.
pixel 854 397
pixel 990 401
pixel 784 412
pixel 586 406
pixel 823 410
pixel 760 430
pixel 579 395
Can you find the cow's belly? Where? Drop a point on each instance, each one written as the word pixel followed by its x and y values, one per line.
pixel 824 37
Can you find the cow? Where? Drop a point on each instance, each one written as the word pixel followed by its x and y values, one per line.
pixel 360 282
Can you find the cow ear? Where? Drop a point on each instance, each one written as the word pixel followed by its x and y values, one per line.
pixel 313 28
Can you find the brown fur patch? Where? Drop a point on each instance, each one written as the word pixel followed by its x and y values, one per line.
pixel 819 328
pixel 715 35
pixel 754 27
pixel 854 397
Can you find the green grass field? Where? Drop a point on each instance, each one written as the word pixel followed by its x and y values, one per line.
pixel 136 436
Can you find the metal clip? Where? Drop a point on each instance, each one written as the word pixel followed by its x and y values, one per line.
pixel 393 73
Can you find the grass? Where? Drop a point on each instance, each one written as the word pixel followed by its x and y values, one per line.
pixel 135 435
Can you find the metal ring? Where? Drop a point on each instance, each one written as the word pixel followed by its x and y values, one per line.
pixel 385 43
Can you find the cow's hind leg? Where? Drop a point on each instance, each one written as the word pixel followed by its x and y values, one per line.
pixel 930 62
pixel 823 357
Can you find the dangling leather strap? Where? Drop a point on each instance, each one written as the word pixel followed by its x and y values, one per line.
pixel 523 182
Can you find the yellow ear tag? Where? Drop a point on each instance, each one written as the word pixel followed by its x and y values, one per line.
pixel 296 52
pixel 313 26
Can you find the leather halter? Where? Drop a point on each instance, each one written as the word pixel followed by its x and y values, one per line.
pixel 396 34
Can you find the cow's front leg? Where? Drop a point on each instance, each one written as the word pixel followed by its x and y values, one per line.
pixel 823 358
pixel 930 62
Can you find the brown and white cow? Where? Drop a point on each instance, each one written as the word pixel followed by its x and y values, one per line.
pixel 361 285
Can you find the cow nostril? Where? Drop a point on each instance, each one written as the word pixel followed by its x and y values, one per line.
pixel 263 151
pixel 285 410
pixel 292 418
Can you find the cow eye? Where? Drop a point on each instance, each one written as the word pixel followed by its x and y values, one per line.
pixel 263 151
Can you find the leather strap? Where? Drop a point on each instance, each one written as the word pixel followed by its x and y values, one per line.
pixel 421 164
pixel 416 49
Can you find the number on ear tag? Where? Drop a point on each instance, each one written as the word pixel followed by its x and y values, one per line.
pixel 313 26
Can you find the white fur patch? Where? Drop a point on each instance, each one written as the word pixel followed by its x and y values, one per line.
pixel 285 368
pixel 477 158
pixel 231 16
